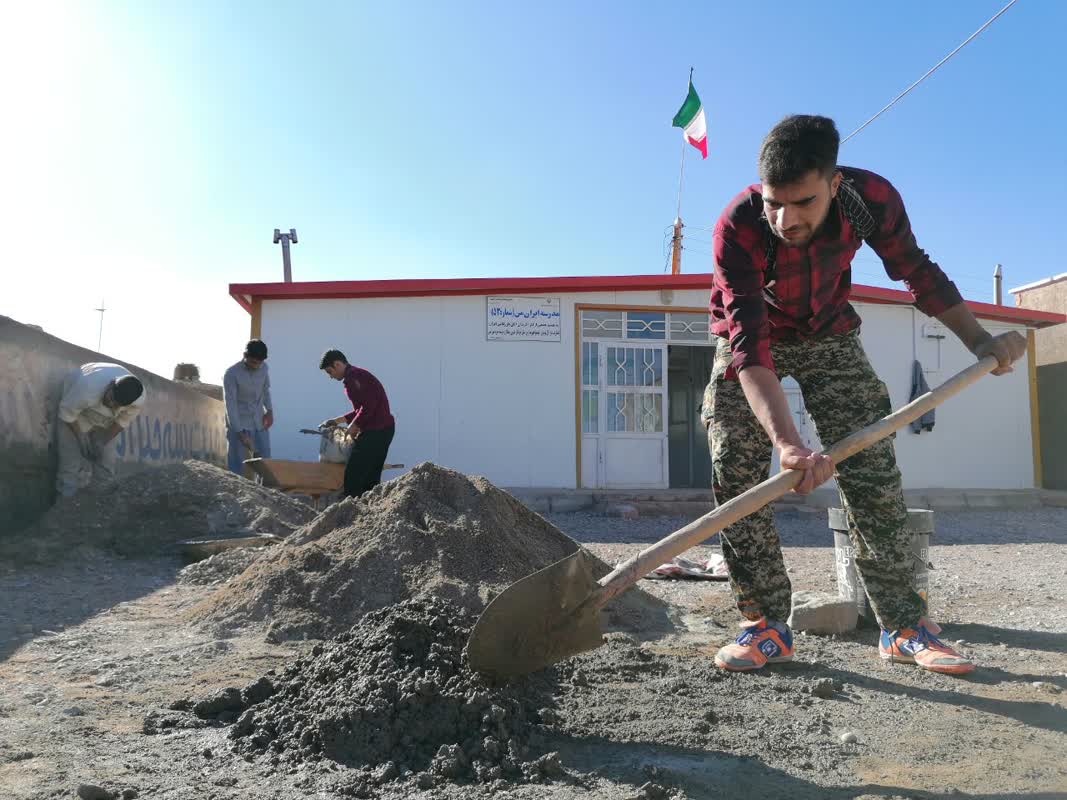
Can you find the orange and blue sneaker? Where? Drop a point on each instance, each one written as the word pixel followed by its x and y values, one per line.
pixel 921 647
pixel 761 643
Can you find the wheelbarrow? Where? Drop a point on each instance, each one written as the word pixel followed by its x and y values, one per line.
pixel 309 478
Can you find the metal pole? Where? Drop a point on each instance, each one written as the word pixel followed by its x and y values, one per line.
pixel 100 333
pixel 287 264
pixel 676 242
pixel 998 283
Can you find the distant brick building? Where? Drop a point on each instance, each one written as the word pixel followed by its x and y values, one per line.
pixel 1050 352
pixel 1047 295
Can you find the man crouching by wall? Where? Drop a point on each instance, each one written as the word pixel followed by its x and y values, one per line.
pixel 99 401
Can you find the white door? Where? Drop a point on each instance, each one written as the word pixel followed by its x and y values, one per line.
pixel 631 398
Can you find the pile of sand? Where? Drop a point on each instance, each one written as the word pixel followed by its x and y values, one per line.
pixel 151 509
pixel 394 699
pixel 431 533
pixel 219 567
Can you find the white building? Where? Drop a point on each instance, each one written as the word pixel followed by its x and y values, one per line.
pixel 596 382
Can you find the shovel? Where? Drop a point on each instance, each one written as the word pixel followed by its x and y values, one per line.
pixel 555 613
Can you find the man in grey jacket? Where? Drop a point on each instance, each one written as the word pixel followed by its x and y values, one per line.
pixel 249 413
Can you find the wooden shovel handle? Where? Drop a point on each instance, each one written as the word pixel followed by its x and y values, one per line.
pixel 632 570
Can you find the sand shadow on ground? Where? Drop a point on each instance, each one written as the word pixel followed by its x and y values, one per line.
pixel 1037 713
pixel 37 601
pixel 1012 637
pixel 708 774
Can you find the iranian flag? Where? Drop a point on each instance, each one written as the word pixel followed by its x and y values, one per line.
pixel 690 118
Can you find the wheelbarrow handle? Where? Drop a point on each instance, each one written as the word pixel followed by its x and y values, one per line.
pixel 632 570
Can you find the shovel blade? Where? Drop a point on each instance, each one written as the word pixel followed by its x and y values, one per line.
pixel 538 621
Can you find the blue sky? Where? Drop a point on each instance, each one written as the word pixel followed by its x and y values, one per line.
pixel 155 146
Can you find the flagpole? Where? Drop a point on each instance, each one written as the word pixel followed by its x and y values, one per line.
pixel 676 242
pixel 681 176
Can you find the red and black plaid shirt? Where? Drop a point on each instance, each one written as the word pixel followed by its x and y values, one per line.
pixel 809 294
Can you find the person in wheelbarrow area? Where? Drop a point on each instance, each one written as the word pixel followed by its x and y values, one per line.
pixel 249 410
pixel 370 425
pixel 779 305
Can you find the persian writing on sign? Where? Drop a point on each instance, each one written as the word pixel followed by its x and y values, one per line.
pixel 523 319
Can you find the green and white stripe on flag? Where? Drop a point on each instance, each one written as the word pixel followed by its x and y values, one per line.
pixel 690 118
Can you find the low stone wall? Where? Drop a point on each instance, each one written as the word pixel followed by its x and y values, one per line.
pixel 177 423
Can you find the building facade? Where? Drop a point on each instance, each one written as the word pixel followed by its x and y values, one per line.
pixel 596 382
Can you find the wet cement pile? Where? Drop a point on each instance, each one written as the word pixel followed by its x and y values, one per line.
pixel 431 533
pixel 394 699
pixel 145 512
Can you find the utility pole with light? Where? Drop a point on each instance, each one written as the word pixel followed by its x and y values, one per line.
pixel 285 239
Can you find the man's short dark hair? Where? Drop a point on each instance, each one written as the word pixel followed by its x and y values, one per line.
pixel 330 356
pixel 126 390
pixel 796 146
pixel 257 349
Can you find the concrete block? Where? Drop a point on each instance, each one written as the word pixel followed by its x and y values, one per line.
pixel 1020 501
pixel 565 503
pixel 622 510
pixel 816 612
pixel 539 505
pixel 675 508
pixel 984 500
pixel 1053 498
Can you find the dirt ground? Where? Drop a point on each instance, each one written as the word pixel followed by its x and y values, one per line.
pixel 91 646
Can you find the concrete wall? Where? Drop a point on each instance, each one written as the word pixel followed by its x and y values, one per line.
pixel 506 410
pixel 1051 343
pixel 177 423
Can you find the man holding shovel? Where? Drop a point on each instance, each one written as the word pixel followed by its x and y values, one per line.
pixel 249 410
pixel 779 303
pixel 370 424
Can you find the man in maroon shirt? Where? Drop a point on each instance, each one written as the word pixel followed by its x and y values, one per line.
pixel 370 425
pixel 783 250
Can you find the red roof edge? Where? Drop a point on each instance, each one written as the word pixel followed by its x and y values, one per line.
pixel 452 287
pixel 990 311
pixel 241 299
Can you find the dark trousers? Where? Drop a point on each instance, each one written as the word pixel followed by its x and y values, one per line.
pixel 364 468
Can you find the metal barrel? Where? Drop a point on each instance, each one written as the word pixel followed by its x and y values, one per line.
pixel 849 585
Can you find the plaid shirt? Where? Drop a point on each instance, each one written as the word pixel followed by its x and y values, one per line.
pixel 807 296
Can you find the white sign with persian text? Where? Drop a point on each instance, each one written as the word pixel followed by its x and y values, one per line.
pixel 523 319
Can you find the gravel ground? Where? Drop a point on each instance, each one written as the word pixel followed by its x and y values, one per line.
pixel 89 648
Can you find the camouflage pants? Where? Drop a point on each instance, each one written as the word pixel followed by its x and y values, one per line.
pixel 843 394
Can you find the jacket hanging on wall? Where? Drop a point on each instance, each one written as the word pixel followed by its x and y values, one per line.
pixel 919 387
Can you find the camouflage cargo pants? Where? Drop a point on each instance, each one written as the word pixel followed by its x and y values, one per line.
pixel 843 394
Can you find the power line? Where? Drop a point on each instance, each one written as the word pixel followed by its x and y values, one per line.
pixel 932 70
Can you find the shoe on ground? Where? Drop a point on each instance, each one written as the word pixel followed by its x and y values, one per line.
pixel 921 647
pixel 761 643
